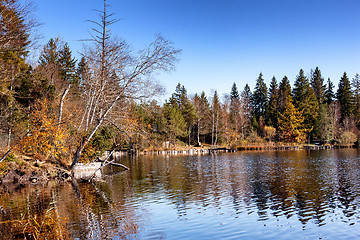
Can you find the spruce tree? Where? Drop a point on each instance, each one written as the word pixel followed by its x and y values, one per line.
pixel 317 83
pixel 235 108
pixel 215 118
pixel 246 97
pixel 355 83
pixel 305 100
pixel 324 124
pixel 273 106
pixel 344 96
pixel 260 98
pixel 284 94
pixel 329 94
pixel 202 107
pixel 67 65
pixel 187 109
pixel 176 125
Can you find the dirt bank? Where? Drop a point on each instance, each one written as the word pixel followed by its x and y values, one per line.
pixel 23 170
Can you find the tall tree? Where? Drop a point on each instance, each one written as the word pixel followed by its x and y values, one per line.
pixel 215 118
pixel 176 124
pixel 187 109
pixel 123 75
pixel 344 96
pixel 202 108
pixel 260 98
pixel 272 111
pixel 284 93
pixel 324 125
pixel 246 106
pixel 305 100
pixel 329 94
pixel 355 83
pixel 317 83
pixel 49 64
pixel 236 116
pixel 15 31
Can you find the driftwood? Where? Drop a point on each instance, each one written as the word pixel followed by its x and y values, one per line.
pixel 116 164
pixel 105 162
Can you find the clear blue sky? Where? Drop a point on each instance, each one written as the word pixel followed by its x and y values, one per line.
pixel 225 41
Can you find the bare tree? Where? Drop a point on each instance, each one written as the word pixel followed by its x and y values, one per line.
pixel 118 76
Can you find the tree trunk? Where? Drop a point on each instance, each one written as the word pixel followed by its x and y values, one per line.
pixel 216 128
pixel 189 134
pixel 62 103
pixel 198 131
pixel 87 140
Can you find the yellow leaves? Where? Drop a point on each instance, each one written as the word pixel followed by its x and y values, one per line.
pixel 46 137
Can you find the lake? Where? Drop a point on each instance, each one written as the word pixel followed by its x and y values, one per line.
pixel 244 195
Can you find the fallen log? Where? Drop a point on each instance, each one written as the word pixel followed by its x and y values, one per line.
pixel 115 164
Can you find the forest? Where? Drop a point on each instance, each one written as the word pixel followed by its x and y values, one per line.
pixel 68 110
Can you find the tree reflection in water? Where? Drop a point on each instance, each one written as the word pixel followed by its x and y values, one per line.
pixel 219 196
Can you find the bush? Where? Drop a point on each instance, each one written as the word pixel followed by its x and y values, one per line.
pixel 348 138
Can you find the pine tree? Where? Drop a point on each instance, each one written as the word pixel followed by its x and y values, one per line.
pixel 260 98
pixel 329 94
pixel 344 96
pixel 355 83
pixel 67 65
pixel 246 107
pixel 215 118
pixel 14 43
pixel 272 110
pixel 235 108
pixel 317 83
pixel 187 109
pixel 176 125
pixel 324 124
pixel 284 94
pixel 202 107
pixel 305 100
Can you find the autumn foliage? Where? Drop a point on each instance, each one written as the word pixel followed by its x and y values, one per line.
pixel 45 137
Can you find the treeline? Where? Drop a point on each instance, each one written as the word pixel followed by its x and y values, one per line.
pixel 310 112
pixel 65 108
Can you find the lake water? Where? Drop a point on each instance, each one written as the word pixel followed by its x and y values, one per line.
pixel 244 195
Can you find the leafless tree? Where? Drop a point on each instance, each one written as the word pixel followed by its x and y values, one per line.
pixel 116 75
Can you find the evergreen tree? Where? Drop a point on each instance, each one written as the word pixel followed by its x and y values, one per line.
pixel 176 125
pixel 305 100
pixel 329 94
pixel 355 83
pixel 291 124
pixel 235 108
pixel 260 98
pixel 246 97
pixel 202 107
pixel 246 107
pixel 284 94
pixel 215 119
pixel 344 97
pixel 272 111
pixel 317 83
pixel 67 65
pixel 14 42
pixel 187 109
pixel 324 124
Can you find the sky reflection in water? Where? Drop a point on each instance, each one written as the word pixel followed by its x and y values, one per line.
pixel 246 195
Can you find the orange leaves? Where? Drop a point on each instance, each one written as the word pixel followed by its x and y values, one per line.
pixel 46 137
